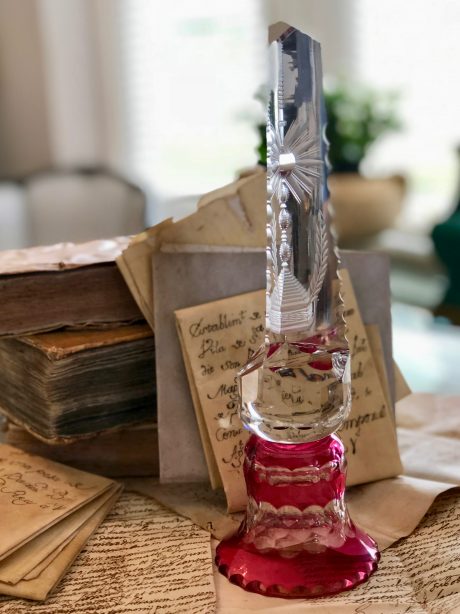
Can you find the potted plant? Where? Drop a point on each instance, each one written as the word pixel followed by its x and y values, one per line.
pixel 357 117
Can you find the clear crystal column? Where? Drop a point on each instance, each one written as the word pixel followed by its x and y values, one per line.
pixel 297 388
pixel 297 539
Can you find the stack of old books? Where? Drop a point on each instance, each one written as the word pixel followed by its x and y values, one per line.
pixel 77 375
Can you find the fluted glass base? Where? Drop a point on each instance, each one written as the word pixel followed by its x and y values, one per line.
pixel 297 539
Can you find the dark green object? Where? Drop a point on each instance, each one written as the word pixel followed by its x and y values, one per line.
pixel 262 147
pixel 446 239
pixel 357 117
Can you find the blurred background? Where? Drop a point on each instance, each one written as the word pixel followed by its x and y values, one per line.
pixel 117 113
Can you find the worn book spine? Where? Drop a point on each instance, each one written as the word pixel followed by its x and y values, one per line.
pixel 41 301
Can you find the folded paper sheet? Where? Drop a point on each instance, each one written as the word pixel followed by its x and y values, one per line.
pixel 219 337
pixel 25 561
pixel 35 493
pixel 48 512
pixel 40 582
pixel 143 559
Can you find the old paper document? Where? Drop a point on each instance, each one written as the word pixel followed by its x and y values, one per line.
pixel 205 507
pixel 181 283
pixel 143 560
pixel 218 338
pixel 368 433
pixel 25 561
pixel 41 580
pixel 420 574
pixel 36 493
pixel 429 436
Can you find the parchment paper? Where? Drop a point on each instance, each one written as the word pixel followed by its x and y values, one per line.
pixel 143 559
pixel 39 583
pixel 218 338
pixel 28 560
pixel 36 493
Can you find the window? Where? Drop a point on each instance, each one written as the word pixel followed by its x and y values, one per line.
pixel 413 47
pixel 190 72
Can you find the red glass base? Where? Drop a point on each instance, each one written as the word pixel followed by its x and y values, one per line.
pixel 297 539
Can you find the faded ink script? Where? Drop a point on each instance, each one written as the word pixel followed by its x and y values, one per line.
pixel 368 432
pixel 144 559
pixel 35 493
pixel 217 340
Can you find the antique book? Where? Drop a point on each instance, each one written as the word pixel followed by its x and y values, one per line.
pixel 45 288
pixel 132 451
pixel 68 384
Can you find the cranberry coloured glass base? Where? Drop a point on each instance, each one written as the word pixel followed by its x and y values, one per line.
pixel 297 539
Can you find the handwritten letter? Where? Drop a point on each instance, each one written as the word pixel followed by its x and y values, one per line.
pixel 36 493
pixel 369 432
pixel 218 338
pixel 143 559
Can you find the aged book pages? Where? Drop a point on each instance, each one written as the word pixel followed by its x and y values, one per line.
pixel 143 560
pixel 71 285
pixel 420 574
pixel 36 493
pixel 122 452
pixel 61 256
pixel 57 345
pixel 77 384
pixel 219 337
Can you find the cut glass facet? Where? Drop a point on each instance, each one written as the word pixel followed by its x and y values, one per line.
pixel 297 539
pixel 297 387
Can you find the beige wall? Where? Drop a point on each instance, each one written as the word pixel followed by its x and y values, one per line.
pixel 24 136
pixel 328 21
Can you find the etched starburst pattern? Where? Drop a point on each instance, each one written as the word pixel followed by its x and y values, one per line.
pixel 294 158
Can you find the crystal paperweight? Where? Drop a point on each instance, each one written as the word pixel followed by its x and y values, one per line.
pixel 297 539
